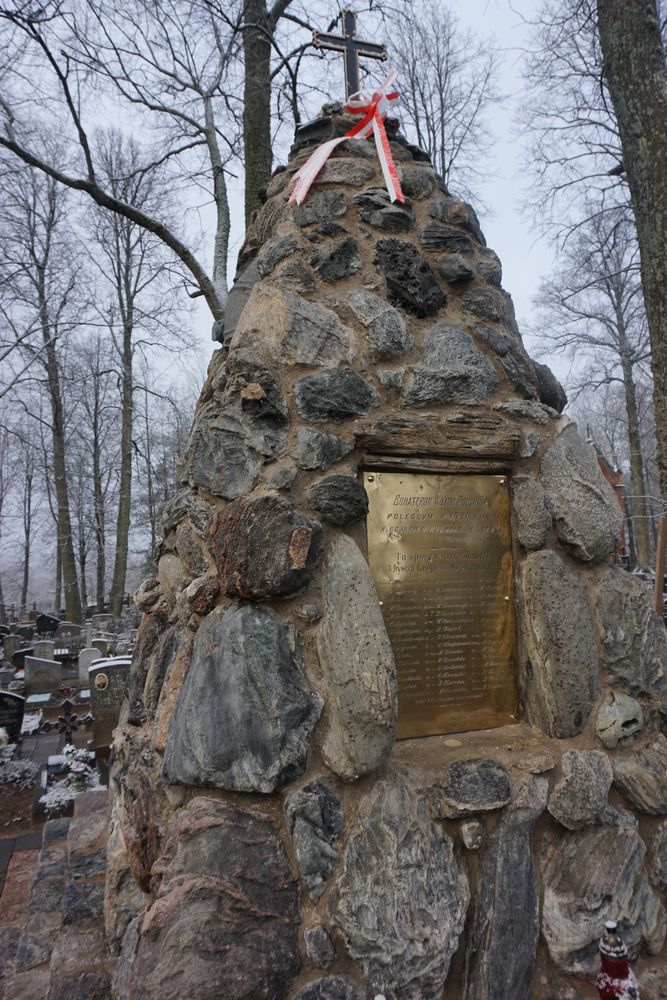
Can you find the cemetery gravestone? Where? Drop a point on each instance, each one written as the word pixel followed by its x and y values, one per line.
pixel 104 644
pixel 43 649
pixel 18 658
pixel 10 644
pixel 12 707
pixel 42 676
pixel 46 624
pixel 87 657
pixel 68 630
pixel 7 675
pixel 108 689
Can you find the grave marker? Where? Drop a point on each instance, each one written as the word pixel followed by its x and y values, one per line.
pixel 42 676
pixel 12 707
pixel 108 682
pixel 87 657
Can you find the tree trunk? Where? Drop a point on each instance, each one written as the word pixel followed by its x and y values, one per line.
pixel 67 558
pixel 58 595
pixel 256 101
pixel 3 609
pixel 27 528
pixel 98 501
pixel 634 66
pixel 125 498
pixel 639 505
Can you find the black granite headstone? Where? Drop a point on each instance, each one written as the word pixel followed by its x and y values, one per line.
pixel 12 707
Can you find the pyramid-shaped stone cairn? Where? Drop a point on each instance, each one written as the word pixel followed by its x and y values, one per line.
pixel 270 837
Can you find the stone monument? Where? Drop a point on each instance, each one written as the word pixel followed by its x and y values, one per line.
pixel 385 527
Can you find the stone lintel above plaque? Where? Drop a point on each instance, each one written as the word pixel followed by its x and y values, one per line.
pixel 459 435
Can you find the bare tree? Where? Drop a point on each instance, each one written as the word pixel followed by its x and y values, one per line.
pixel 592 310
pixel 448 81
pixel 636 73
pixel 36 255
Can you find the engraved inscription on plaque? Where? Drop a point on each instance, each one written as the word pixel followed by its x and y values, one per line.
pixel 440 551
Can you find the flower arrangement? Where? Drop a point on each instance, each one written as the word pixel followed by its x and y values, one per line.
pixel 81 777
pixel 15 771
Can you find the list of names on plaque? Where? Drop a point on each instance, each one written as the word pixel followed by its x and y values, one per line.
pixel 440 552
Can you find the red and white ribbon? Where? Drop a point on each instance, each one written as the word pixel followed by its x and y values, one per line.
pixel 374 111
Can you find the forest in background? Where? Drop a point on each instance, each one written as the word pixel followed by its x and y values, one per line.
pixel 122 125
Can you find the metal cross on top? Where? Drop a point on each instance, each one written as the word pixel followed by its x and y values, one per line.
pixel 352 48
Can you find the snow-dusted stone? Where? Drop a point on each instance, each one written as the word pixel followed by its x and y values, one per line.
pixel 641 774
pixel 591 876
pixel 472 786
pixel 451 370
pixel 502 940
pixel 388 336
pixel 204 937
pixel 620 719
pixel 286 329
pixel 401 899
pixel 561 679
pixel 358 678
pixel 580 797
pixel 633 637
pixel 246 710
pixel 532 519
pixel 268 549
pixel 417 182
pixel 346 170
pixel 585 509
pixel 339 394
pixel 314 818
pixel 316 450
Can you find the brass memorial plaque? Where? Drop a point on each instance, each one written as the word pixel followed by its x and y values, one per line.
pixel 440 551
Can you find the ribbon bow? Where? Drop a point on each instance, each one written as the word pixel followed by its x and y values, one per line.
pixel 374 111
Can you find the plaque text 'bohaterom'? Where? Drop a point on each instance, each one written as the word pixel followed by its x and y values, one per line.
pixel 440 552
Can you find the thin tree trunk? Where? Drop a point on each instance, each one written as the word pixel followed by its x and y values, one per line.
pixel 150 492
pixel 639 505
pixel 68 561
pixel 3 609
pixel 58 596
pixel 27 528
pixel 125 498
pixel 257 35
pixel 98 500
pixel 634 66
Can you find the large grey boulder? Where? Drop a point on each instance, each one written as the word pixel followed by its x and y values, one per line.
pixel 237 430
pixel 314 818
pixel 502 940
pixel 633 639
pixel 657 856
pixel 532 519
pixel 516 363
pixel 452 370
pixel 580 797
pixel 332 988
pixel 357 671
pixel 619 720
pixel 585 509
pixel 246 710
pixel 339 394
pixel 561 679
pixel 401 899
pixel 641 774
pixel 225 920
pixel 316 450
pixel 388 336
pixel 591 876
